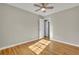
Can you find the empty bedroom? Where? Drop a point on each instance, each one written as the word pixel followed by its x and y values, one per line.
pixel 39 28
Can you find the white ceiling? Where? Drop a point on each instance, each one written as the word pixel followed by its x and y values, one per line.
pixel 57 7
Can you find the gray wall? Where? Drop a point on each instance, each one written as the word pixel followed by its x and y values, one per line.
pixel 66 25
pixel 17 25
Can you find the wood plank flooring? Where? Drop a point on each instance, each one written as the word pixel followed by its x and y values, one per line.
pixel 54 48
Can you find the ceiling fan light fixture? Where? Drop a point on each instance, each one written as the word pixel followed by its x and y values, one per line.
pixel 43 9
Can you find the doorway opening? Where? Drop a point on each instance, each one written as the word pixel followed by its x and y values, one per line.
pixel 44 29
pixel 47 29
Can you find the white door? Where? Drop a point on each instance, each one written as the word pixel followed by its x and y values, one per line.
pixel 41 28
pixel 46 28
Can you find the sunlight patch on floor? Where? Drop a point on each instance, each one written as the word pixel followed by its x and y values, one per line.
pixel 39 46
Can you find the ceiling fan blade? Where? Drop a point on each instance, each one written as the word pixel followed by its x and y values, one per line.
pixel 45 4
pixel 37 5
pixel 42 3
pixel 37 10
pixel 50 7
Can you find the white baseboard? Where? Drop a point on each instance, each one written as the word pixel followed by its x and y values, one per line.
pixel 13 45
pixel 36 39
pixel 66 43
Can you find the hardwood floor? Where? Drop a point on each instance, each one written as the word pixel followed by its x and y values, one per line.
pixel 54 48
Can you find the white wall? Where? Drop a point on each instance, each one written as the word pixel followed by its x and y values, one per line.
pixel 66 25
pixel 17 25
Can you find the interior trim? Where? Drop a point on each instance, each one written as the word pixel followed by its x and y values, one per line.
pixel 65 42
pixel 13 45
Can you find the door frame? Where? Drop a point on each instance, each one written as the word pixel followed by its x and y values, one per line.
pixel 47 26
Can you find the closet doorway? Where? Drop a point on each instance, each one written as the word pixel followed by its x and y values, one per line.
pixel 46 29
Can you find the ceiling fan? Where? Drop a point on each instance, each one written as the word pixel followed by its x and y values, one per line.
pixel 43 7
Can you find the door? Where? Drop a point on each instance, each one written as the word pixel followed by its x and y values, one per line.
pixel 41 28
pixel 47 29
pixel 44 29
